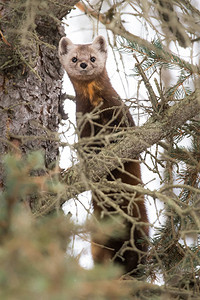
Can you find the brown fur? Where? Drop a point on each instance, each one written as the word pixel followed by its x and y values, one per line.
pixel 94 90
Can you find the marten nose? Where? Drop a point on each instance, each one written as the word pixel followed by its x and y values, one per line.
pixel 83 65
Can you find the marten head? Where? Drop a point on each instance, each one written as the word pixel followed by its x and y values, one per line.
pixel 83 62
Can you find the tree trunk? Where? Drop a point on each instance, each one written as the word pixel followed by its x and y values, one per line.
pixel 31 76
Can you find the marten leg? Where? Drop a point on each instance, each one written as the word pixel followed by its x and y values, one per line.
pixel 124 250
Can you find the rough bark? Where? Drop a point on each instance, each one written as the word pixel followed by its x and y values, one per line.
pixel 30 75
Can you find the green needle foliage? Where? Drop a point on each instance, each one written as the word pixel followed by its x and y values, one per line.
pixel 161 58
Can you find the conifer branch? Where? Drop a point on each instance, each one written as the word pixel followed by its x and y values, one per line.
pixel 117 28
pixel 135 141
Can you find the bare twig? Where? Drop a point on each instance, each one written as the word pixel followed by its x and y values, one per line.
pixel 149 88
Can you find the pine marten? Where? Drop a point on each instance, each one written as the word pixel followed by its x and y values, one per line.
pixel 85 66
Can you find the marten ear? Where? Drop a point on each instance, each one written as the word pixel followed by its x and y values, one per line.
pixel 65 45
pixel 100 44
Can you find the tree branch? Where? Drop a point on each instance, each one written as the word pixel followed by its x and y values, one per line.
pixel 117 28
pixel 134 142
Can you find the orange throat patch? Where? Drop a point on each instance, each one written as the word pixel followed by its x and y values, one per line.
pixel 91 91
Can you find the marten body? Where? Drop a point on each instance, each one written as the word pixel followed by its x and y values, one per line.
pixel 85 66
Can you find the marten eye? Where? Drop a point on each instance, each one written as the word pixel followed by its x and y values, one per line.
pixel 74 59
pixel 92 59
